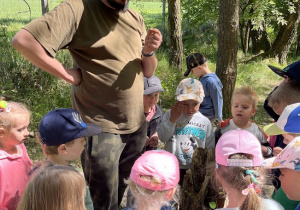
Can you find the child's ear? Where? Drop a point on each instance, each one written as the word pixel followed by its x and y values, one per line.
pixel 170 193
pixel 62 149
pixel 253 112
pixel 2 132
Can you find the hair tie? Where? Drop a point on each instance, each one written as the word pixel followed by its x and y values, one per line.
pixel 252 174
pixel 254 181
pixel 4 106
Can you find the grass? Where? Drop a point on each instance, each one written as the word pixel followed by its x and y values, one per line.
pixel 42 92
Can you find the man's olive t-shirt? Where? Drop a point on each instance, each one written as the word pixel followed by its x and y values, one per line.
pixel 106 45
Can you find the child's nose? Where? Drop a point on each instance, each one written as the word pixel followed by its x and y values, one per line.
pixel 26 133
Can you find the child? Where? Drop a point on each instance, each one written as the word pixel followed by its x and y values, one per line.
pixel 278 99
pixel 62 133
pixel 243 107
pixel 238 161
pixel 15 163
pixel 287 125
pixel 152 111
pixel 290 72
pixel 54 187
pixel 288 162
pixel 285 94
pixel 153 180
pixel 183 127
pixel 212 104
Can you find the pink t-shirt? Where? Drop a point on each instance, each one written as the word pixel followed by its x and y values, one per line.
pixel 150 114
pixel 14 171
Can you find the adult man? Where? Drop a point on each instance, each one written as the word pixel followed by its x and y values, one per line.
pixel 106 41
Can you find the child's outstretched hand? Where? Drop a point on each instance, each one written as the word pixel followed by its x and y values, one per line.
pixel 276 150
pixel 176 111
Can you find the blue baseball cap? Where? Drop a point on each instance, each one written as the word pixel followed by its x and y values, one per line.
pixel 63 125
pixel 288 122
pixel 292 71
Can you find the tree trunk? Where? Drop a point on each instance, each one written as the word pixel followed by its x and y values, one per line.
pixel 244 27
pixel 176 48
pixel 298 45
pixel 227 49
pixel 198 189
pixel 244 36
pixel 260 39
pixel 163 18
pixel 285 36
pixel 45 6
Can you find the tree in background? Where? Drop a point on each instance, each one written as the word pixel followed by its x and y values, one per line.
pixel 267 28
pixel 286 34
pixel 176 47
pixel 227 49
pixel 45 6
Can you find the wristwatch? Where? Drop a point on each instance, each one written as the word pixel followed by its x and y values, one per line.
pixel 147 55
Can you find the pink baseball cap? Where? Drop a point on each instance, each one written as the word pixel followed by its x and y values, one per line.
pixel 238 141
pixel 156 163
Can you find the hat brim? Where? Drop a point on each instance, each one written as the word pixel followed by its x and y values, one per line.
pixel 187 72
pixel 92 129
pixel 269 163
pixel 189 96
pixel 273 129
pixel 153 90
pixel 277 71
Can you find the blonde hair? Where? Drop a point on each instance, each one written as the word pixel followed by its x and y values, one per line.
pixel 54 187
pixel 150 198
pixel 236 178
pixel 11 112
pixel 50 150
pixel 285 94
pixel 247 91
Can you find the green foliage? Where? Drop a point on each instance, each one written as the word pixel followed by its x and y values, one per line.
pixel 42 92
pixel 199 25
pixel 27 84
pixel 212 205
pixel 170 79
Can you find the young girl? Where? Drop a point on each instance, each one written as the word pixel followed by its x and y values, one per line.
pixel 15 163
pixel 153 180
pixel 54 187
pixel 238 169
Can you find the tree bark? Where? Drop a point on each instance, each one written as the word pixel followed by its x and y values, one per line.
pixel 176 47
pixel 163 18
pixel 45 6
pixel 198 189
pixel 260 39
pixel 227 49
pixel 285 36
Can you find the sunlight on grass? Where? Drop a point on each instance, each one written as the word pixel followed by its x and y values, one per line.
pixel 43 92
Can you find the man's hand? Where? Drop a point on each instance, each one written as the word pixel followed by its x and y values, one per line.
pixel 74 75
pixel 152 41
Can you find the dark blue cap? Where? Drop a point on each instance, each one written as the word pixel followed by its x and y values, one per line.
pixel 63 125
pixel 292 71
pixel 194 60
